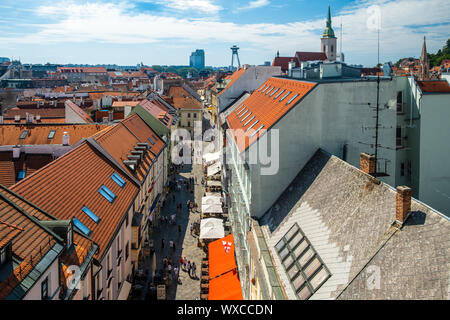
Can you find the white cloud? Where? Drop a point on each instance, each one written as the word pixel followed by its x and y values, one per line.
pixel 255 4
pixel 118 23
pixel 203 6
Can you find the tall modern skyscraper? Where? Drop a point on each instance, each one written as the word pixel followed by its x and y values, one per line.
pixel 197 59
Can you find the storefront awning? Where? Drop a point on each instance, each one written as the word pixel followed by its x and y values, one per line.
pixel 125 291
pixel 211 228
pixel 221 256
pixel 213 169
pixel 212 208
pixel 212 199
pixel 225 287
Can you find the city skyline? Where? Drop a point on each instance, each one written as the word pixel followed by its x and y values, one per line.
pixel 166 32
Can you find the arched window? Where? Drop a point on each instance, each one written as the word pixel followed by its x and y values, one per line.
pixel 332 48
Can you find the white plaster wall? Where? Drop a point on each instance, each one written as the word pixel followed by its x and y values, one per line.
pixel 330 116
pixel 53 273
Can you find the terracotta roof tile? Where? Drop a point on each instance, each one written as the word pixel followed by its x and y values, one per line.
pixel 27 245
pixel 310 56
pixel 44 113
pixel 39 133
pixel 434 86
pixel 120 140
pixel 8 232
pixel 262 109
pixel 56 189
pixel 283 62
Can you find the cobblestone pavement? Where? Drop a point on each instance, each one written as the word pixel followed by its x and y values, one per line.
pixel 186 245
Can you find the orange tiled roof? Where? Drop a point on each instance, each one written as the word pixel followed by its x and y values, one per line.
pixel 44 113
pixel 56 189
pixel 121 139
pixel 283 62
pixel 38 134
pixel 434 86
pixel 82 69
pixel 8 232
pixel 233 78
pixel 266 109
pixel 310 56
pixel 27 245
pixel 121 104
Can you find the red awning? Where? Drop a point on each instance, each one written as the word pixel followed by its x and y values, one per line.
pixel 225 287
pixel 221 256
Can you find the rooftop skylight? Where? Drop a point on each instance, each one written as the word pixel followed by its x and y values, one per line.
pixel 51 134
pixel 248 121
pixel 257 130
pixel 24 134
pixel 90 214
pixel 292 99
pixel 108 194
pixel 274 92
pixel 284 97
pixel 118 179
pixel 81 227
pixel 252 125
pixel 243 119
pixel 279 94
pixel 303 265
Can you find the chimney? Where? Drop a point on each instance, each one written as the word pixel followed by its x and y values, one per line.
pixel 66 140
pixel 402 204
pixel 16 152
pixel 367 163
pixel 291 65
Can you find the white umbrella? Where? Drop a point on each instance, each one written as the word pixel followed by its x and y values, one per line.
pixel 211 228
pixel 212 208
pixel 212 200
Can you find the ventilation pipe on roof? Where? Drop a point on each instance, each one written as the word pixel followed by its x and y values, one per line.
pixel 65 139
pixel 16 152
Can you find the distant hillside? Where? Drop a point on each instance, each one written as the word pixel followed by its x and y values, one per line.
pixel 434 58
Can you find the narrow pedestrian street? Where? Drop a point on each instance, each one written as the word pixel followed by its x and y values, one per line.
pixel 186 243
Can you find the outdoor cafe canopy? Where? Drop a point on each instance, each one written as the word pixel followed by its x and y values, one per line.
pixel 212 208
pixel 225 287
pixel 216 199
pixel 221 256
pixel 213 169
pixel 211 157
pixel 211 228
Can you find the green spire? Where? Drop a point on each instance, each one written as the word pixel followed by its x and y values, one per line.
pixel 328 32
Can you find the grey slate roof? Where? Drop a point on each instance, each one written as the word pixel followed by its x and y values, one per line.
pixel 348 217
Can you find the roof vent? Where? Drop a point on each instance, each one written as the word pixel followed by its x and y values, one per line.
pixel 38 117
pixel 66 139
pixel 132 164
pixel 143 144
pixel 139 153
pixel 134 157
pixel 16 152
pixel 17 118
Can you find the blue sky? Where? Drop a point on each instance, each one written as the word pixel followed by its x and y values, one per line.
pixel 165 32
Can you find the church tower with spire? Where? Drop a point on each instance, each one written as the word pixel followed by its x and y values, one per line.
pixel 329 40
pixel 424 67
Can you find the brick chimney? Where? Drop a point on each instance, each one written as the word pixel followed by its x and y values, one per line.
pixel 367 163
pixel 402 204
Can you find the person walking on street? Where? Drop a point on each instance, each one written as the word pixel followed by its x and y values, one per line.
pixel 189 267
pixel 162 243
pixel 194 268
pixel 184 263
pixel 175 274
pixel 171 246
pixel 179 230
